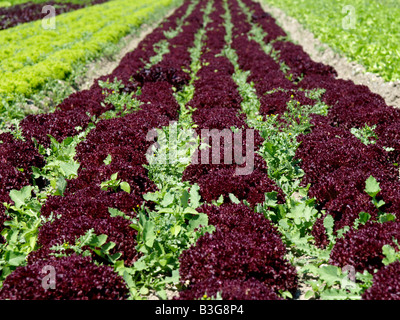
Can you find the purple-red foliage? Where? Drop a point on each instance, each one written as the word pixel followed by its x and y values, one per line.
pixel 68 229
pixel 351 105
pixel 327 149
pixel 389 136
pixel 238 255
pixel 344 209
pixel 135 175
pixel 128 132
pixel 230 216
pixel 390 193
pixel 11 178
pixel 59 124
pixel 362 248
pixel 265 20
pixel 265 72
pixel 218 118
pixel 77 278
pixel 215 66
pixel 156 74
pixel 299 62
pixel 337 164
pixel 276 102
pixel 160 99
pixel 385 284
pixel 87 101
pixel 217 90
pixel 221 179
pixel 91 201
pixel 18 153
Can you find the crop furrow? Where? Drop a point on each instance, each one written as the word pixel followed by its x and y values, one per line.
pixel 228 262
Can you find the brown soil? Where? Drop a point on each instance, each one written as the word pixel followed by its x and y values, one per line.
pixel 320 52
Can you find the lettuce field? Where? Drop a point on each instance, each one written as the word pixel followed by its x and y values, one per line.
pixel 217 161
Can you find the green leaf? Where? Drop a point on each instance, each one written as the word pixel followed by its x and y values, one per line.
pixel 337 294
pixel 220 200
pixel 386 217
pixel 20 197
pixel 144 291
pixel 328 224
pixel 271 199
pixel 175 230
pixel 148 233
pixel 115 257
pixel 167 200
pixel 190 210
pixel 15 259
pixel 125 186
pixel 116 213
pixel 69 169
pixel 151 196
pixel 364 217
pixel 114 176
pixel 330 274
pixel 140 265
pixel 162 294
pixel 185 199
pixel 284 224
pixel 195 196
pixel 302 212
pixel 234 199
pixel 309 294
pixel 389 253
pixel 107 246
pixel 107 160
pixel 372 186
pixel 60 186
pixel 197 221
pixel 174 278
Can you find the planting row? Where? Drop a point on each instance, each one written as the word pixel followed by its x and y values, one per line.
pixel 27 12
pixel 32 56
pixel 244 257
pixel 11 3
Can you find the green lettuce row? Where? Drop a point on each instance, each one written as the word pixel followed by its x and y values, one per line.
pixel 31 55
pixel 365 31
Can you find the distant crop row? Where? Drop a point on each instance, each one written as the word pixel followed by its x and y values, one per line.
pixel 11 3
pixel 32 56
pixel 365 31
pixel 18 14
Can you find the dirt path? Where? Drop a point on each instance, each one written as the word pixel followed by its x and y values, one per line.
pixel 320 52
